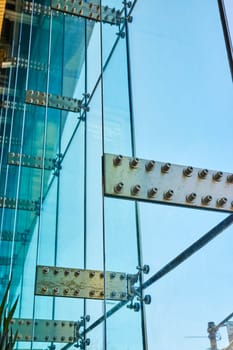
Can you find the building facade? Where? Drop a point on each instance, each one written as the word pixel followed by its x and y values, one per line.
pixel 70 180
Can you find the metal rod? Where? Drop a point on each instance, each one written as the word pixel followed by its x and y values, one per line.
pixel 200 243
pixel 226 33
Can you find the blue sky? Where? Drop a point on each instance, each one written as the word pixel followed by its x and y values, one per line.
pixel 183 107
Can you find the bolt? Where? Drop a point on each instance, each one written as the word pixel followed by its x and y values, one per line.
pixel 203 173
pixel 63 338
pixel 44 289
pixel 191 197
pixel 188 171
pixel 92 274
pixel 123 295
pixel 56 271
pixel 112 275
pixel 55 290
pixel 113 294
pixel 76 292
pixel 165 168
pixel 92 293
pixel 135 189
pixel 118 187
pixel 102 293
pixel 207 199
pixel 152 192
pixel 66 290
pixel 77 273
pixel 101 275
pixel 117 160
pixel 217 176
pixel 168 194
pixel 221 201
pixel 230 178
pixel 66 272
pixel 150 165
pixel 133 162
pixel 122 276
pixel 45 270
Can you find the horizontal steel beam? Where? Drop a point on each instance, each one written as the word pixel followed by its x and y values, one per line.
pixel 79 283
pixel 44 330
pixel 53 101
pixel 30 161
pixel 166 183
pixel 22 204
pixel 88 10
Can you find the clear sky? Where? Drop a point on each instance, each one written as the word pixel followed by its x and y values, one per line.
pixel 183 105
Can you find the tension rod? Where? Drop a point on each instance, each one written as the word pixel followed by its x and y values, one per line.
pixel 200 243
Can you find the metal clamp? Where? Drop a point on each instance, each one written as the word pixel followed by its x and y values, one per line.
pixel 135 292
pixel 80 333
pixel 57 164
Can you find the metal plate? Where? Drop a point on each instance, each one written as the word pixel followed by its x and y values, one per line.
pixel 22 204
pixel 18 236
pixel 88 10
pixel 12 140
pixel 44 330
pixel 78 283
pixel 165 183
pixel 30 161
pixel 13 105
pixel 53 101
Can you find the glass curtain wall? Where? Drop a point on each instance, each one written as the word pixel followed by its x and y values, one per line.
pixel 59 216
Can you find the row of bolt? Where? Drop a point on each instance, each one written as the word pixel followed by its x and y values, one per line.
pixel 47 323
pixel 165 168
pixel 151 193
pixel 76 273
pixel 76 292
pixel 46 338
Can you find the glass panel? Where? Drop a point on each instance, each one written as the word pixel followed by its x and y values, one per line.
pixel 182 92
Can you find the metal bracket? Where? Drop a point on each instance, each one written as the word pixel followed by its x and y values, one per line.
pixel 88 10
pixel 13 105
pixel 36 8
pixel 80 328
pixel 53 101
pixel 30 161
pixel 44 330
pixel 21 204
pixel 79 283
pixel 166 183
pixel 135 292
pixel 13 140
pixel 57 164
pixel 23 63
pixel 18 236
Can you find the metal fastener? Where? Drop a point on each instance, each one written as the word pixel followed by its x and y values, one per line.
pixel 221 201
pixel 230 178
pixel 168 194
pixel 135 189
pixel 45 270
pixel 152 192
pixel 91 274
pixel 203 173
pixel 118 188
pixel 218 175
pixel 206 199
pixel 112 275
pixel 191 197
pixel 133 163
pixel 66 290
pixel 188 171
pixel 166 167
pixel 150 165
pixel 117 160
